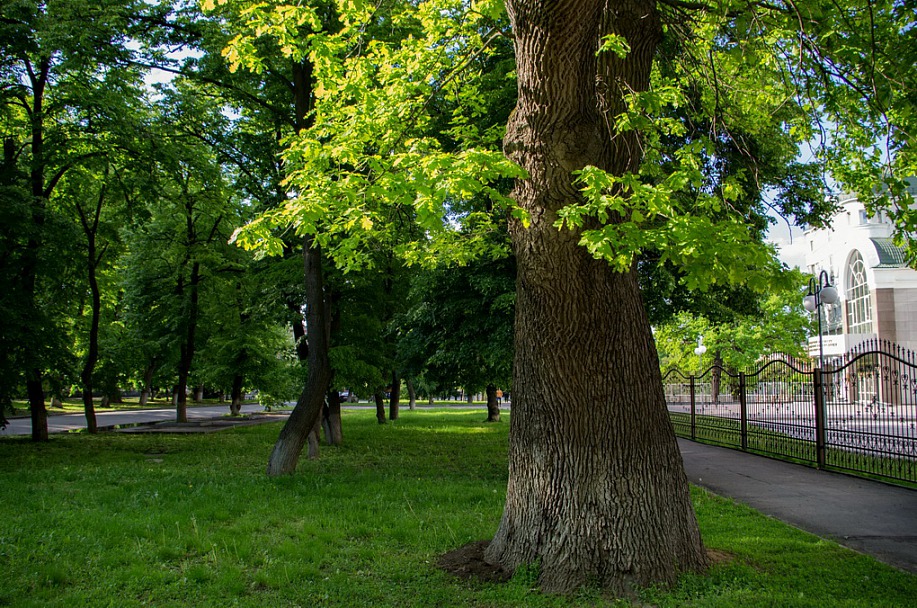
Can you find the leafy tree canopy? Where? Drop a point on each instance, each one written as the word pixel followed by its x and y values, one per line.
pixel 737 87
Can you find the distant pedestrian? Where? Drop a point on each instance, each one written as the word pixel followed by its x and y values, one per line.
pixel 499 396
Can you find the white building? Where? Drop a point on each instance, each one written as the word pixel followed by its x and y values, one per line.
pixel 878 292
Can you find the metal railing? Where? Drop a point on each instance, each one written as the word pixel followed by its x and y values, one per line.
pixel 857 415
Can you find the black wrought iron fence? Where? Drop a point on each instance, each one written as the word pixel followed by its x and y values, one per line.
pixel 857 415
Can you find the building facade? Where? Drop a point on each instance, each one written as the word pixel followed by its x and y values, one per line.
pixel 878 291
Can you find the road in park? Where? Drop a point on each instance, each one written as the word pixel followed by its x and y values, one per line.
pixel 64 423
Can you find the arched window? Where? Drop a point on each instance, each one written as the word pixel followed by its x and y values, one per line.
pixel 859 303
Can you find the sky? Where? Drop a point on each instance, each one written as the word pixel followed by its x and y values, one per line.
pixel 790 241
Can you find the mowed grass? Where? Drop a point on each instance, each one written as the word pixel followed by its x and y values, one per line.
pixel 192 520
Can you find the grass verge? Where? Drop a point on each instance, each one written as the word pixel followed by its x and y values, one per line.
pixel 191 520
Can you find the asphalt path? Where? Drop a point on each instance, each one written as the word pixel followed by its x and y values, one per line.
pixel 65 423
pixel 867 516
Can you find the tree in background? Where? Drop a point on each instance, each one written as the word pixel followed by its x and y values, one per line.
pixel 779 324
pixel 459 331
pixel 57 92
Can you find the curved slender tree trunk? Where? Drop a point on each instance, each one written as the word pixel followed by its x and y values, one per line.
pixel 307 413
pixel 597 492
pixel 90 227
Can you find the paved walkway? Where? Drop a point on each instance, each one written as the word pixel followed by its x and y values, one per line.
pixel 63 423
pixel 867 516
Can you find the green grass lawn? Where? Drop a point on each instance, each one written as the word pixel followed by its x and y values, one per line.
pixel 191 520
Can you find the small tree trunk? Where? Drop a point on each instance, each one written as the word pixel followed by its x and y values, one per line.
pixel 186 348
pixel 199 394
pixel 37 408
pixel 89 408
pixel 716 377
pixel 380 407
pixel 470 398
pixel 493 408
pixel 395 396
pixel 412 395
pixel 147 389
pixel 333 431
pixel 235 405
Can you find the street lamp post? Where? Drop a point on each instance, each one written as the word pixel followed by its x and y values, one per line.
pixel 821 291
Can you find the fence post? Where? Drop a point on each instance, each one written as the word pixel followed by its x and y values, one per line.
pixel 743 411
pixel 819 418
pixel 693 412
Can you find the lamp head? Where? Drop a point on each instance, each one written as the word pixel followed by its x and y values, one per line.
pixel 828 294
pixel 809 303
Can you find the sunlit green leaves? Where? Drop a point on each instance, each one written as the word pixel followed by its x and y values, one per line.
pixel 370 164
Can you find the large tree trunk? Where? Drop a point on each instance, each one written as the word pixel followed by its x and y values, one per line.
pixel 493 408
pixel 307 413
pixel 395 396
pixel 597 491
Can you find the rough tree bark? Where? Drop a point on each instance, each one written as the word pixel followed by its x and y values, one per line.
pixel 597 492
